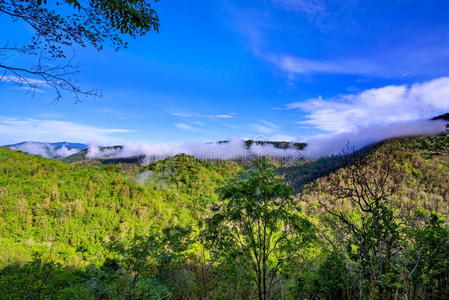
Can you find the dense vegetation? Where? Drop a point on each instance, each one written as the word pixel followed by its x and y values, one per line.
pixel 365 225
pixel 69 212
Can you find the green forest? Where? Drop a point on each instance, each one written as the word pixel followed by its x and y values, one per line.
pixel 369 224
pixel 114 199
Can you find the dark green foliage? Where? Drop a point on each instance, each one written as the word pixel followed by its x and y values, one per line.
pixel 372 227
pixel 39 279
pixel 376 228
pixel 368 212
pixel 330 281
pixel 258 225
pixel 307 171
pixel 334 278
pixel 192 177
pixel 70 212
pixel 435 145
pixel 154 263
pixel 428 259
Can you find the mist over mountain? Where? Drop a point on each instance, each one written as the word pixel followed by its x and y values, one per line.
pixel 56 150
pixel 235 148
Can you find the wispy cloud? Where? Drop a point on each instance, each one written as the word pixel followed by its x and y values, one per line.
pixel 252 24
pixel 30 89
pixel 234 149
pixel 223 116
pixel 28 84
pixel 186 115
pixel 283 137
pixel 379 106
pixel 118 114
pixel 46 150
pixel 188 127
pixel 307 6
pixel 392 61
pixel 296 65
pixel 16 130
pixel 264 127
pixel 22 80
pixel 396 54
pixel 198 115
pixel 322 145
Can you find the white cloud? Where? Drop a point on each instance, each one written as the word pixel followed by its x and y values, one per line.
pixel 180 114
pixel 223 116
pixel 197 115
pixel 335 143
pixel 400 60
pixel 296 65
pixel 380 106
pixel 46 150
pixel 14 130
pixel 307 6
pixel 269 124
pixel 23 80
pixel 31 89
pixel 28 84
pixel 283 137
pixel 399 53
pixel 118 114
pixel 187 127
pixel 234 149
pixel 264 127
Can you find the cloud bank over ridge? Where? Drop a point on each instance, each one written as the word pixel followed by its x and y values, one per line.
pixel 376 107
pixel 361 119
pixel 46 150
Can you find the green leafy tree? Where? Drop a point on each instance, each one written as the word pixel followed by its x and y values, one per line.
pixel 154 261
pixel 258 225
pixel 333 277
pixel 427 257
pixel 374 234
pixel 331 280
pixel 41 279
pixel 438 144
pixel 59 24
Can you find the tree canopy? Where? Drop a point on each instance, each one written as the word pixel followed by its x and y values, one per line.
pixel 375 228
pixel 57 25
pixel 259 226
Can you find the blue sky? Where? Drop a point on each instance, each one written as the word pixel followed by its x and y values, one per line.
pixel 269 69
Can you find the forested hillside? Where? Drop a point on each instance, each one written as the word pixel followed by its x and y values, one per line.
pixel 69 212
pixel 383 220
pixel 369 224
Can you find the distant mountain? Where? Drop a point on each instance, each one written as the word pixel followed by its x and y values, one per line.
pixel 275 144
pixel 112 154
pixel 108 156
pixel 441 117
pixel 56 150
pixel 57 144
